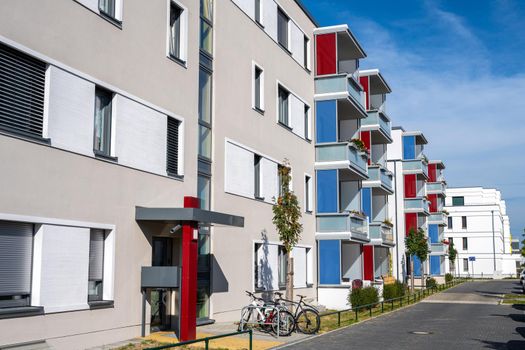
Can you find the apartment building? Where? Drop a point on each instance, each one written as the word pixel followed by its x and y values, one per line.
pixel 409 165
pixel 480 229
pixel 437 220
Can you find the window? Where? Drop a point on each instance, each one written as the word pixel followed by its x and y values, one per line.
pixel 206 37
pixel 96 264
pixel 172 153
pixel 283 267
pixel 458 201
pixel 257 176
pixel 204 142
pixel 16 250
pixel 258 11
pixel 307 122
pixel 450 222
pixel 258 89
pixel 306 52
pixel 175 31
pixel 22 85
pixel 108 8
pixel 205 96
pixel 307 194
pixel 465 265
pixel 103 106
pixel 282 28
pixel 203 191
pixel 465 243
pixel 207 9
pixel 464 222
pixel 283 106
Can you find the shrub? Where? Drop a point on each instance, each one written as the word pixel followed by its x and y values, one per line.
pixel 431 283
pixel 448 277
pixel 363 296
pixel 395 290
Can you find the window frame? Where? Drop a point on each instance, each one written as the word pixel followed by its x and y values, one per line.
pixel 109 153
pixel 183 33
pixel 178 144
pixel 257 178
pixel 281 90
pixel 464 222
pixel 306 52
pixel 465 243
pixel 281 14
pixel 450 225
pixel 307 123
pixel 457 198
pixel 308 189
pixel 113 17
pixel 100 296
pixel 257 86
pixel 465 266
pixel 258 12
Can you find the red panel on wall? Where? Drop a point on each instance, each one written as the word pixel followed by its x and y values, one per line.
pixel 410 222
pixel 365 83
pixel 410 186
pixel 433 202
pixel 326 55
pixel 368 259
pixel 432 173
pixel 365 137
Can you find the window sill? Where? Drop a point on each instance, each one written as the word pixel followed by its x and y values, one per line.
pixel 175 176
pixel 105 156
pixel 102 304
pixel 116 22
pixel 177 60
pixel 310 212
pixel 259 24
pixel 26 137
pixel 285 49
pixel 289 128
pixel 25 311
pixel 258 110
pixel 257 198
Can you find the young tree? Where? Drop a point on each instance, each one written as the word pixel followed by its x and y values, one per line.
pixel 522 250
pixel 286 216
pixel 452 254
pixel 416 245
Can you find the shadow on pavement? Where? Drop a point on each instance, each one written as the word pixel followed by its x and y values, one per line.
pixel 510 345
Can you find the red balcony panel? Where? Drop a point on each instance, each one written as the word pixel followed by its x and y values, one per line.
pixel 410 222
pixel 432 173
pixel 326 55
pixel 368 260
pixel 433 202
pixel 365 82
pixel 410 186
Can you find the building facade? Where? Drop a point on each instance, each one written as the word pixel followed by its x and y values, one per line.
pixel 480 229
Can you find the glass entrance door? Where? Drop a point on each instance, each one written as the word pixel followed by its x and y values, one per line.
pixel 162 255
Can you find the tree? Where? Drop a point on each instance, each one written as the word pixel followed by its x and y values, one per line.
pixel 452 254
pixel 416 245
pixel 286 215
pixel 522 250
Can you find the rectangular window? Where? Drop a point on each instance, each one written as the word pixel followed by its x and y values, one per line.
pixel 451 240
pixel 205 92
pixel 283 106
pixel 203 191
pixel 465 265
pixel 172 144
pixel 283 267
pixel 282 28
pixel 96 264
pixel 258 88
pixel 206 37
pixel 108 7
pixel 306 52
pixel 204 142
pixel 257 176
pixel 207 9
pixel 103 106
pixel 458 201
pixel 450 222
pixel 22 86
pixel 307 122
pixel 16 251
pixel 175 31
pixel 464 222
pixel 258 11
pixel 465 243
pixel 307 194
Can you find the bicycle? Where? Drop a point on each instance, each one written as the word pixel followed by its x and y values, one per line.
pixel 269 316
pixel 306 317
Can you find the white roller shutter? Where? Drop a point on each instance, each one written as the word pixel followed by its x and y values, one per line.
pixel 239 173
pixel 299 267
pixel 297 42
pixel 96 255
pixel 16 245
pixel 296 115
pixel 269 180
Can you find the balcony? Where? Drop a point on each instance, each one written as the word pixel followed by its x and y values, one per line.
pixel 417 205
pixel 438 249
pixel 379 179
pixel 416 166
pixel 379 124
pixel 381 234
pixel 437 219
pixel 342 87
pixel 436 188
pixel 345 226
pixel 342 155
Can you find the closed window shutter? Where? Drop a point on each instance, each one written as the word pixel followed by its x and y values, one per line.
pixel 96 255
pixel 16 246
pixel 22 85
pixel 172 161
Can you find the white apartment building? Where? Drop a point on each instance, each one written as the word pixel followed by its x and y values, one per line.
pixel 479 227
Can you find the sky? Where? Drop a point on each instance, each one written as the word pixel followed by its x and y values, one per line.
pixel 457 71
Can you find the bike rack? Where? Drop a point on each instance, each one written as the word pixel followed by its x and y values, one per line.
pixel 262 308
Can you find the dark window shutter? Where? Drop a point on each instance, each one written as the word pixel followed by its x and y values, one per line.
pixel 22 85
pixel 16 248
pixel 172 159
pixel 96 255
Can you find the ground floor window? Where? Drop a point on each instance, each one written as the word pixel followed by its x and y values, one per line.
pixel 465 265
pixel 96 265
pixel 203 273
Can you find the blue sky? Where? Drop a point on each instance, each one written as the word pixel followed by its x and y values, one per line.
pixel 457 70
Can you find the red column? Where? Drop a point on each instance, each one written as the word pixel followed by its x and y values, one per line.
pixel 368 259
pixel 188 289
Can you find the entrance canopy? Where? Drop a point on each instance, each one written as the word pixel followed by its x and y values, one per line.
pixel 173 215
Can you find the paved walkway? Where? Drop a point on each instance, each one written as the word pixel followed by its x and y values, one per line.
pixel 467 316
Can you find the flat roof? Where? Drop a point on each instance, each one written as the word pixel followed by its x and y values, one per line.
pixel 377 80
pixel 342 28
pixel 418 134
pixel 439 163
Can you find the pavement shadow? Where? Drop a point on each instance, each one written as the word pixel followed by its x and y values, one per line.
pixel 510 345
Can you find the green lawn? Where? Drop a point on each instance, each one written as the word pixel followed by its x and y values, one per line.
pixel 514 299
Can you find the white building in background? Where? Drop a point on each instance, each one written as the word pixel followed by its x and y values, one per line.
pixel 480 229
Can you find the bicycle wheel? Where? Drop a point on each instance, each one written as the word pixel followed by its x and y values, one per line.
pixel 308 321
pixel 245 318
pixel 286 324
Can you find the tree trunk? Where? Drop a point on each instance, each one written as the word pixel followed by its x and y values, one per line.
pixel 411 274
pixel 422 273
pixel 289 276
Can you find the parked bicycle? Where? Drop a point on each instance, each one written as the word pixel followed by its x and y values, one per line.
pixel 306 317
pixel 268 316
